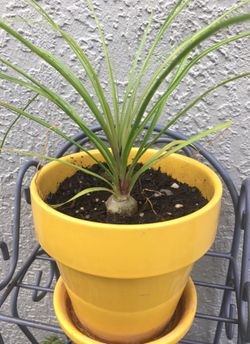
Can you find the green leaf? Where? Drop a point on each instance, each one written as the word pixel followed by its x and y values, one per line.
pixel 83 59
pixel 53 340
pixel 80 194
pixel 158 107
pixel 61 103
pixel 192 104
pixel 191 45
pixel 137 126
pixel 49 126
pixel 73 80
pixel 181 47
pixel 133 69
pixel 111 77
pixel 167 149
pixel 64 162
pixel 170 18
pixel 15 120
pixel 57 65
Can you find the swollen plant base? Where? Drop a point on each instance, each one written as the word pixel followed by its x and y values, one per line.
pixel 172 334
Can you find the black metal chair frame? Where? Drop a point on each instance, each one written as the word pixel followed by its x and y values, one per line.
pixel 235 303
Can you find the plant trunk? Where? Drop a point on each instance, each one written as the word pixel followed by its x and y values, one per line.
pixel 123 206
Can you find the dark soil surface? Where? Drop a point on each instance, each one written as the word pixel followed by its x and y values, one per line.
pixel 159 197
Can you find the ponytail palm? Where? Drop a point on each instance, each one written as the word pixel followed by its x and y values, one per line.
pixel 124 125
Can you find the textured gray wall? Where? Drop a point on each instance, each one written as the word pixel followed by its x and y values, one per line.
pixel 124 22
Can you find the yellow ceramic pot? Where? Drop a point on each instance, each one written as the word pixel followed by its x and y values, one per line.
pixel 125 281
pixel 179 326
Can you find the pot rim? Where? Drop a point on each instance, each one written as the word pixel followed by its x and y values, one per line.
pixel 211 203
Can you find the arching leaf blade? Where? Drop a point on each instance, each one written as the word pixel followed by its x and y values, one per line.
pixel 16 119
pixel 167 149
pixel 80 194
pixel 61 161
pixel 49 126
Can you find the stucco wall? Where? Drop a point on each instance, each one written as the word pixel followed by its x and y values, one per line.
pixel 124 23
